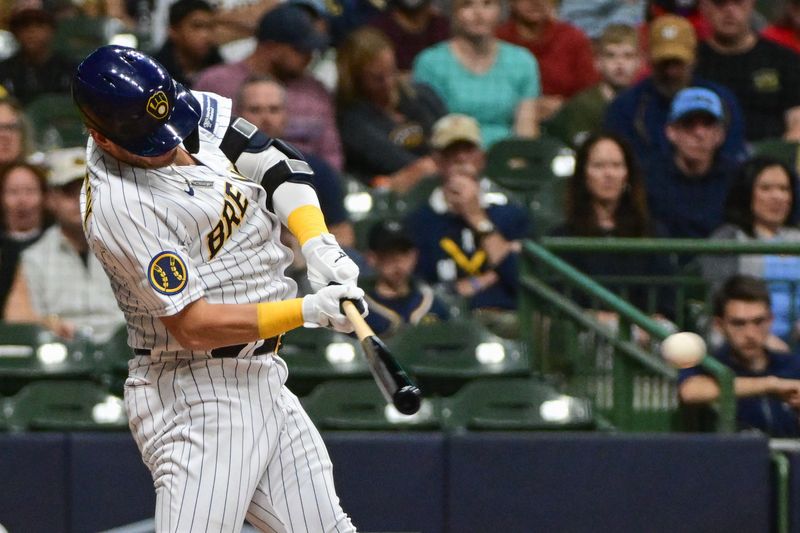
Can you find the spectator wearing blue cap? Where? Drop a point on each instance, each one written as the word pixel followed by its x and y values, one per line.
pixel 640 112
pixel 287 36
pixel 686 190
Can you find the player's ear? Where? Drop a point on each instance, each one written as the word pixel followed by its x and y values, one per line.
pixel 101 140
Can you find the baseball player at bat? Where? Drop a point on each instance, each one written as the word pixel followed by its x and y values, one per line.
pixel 183 205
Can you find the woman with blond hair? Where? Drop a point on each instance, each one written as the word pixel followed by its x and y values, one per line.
pixel 479 75
pixel 384 120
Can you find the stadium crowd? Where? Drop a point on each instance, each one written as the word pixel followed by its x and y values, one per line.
pixel 684 119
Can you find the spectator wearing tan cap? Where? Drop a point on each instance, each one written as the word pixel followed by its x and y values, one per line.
pixel 36 68
pixel 640 113
pixel 468 238
pixel 58 283
pixel 763 75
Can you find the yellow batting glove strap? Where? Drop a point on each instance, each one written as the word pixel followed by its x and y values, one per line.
pixel 275 318
pixel 306 222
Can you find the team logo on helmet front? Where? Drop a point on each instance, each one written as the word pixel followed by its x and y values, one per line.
pixel 158 106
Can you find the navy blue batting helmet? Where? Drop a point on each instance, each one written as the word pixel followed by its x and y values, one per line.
pixel 130 98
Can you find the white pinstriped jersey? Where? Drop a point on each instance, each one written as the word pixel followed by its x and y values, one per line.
pixel 173 235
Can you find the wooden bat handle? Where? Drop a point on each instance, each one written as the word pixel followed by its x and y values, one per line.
pixel 362 328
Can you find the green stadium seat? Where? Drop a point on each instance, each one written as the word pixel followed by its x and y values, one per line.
pixel 65 406
pixel 29 352
pixel 506 404
pixel 787 152
pixel 317 355
pixel 443 356
pixel 534 171
pixel 56 121
pixel 359 405
pixel 80 35
pixel 3 416
pixel 113 355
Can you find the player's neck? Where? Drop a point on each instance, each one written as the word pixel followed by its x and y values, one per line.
pixel 184 158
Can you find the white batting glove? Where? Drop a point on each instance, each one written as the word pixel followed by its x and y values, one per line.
pixel 326 263
pixel 323 309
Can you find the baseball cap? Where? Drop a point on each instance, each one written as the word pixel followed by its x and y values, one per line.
pixel 291 23
pixel 695 100
pixel 388 236
pixel 453 128
pixel 672 37
pixel 65 166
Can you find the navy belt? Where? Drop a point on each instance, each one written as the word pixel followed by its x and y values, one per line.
pixel 270 346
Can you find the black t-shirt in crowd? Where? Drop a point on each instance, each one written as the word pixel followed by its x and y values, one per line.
pixel 765 80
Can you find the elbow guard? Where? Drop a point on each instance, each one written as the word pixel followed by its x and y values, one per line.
pixel 247 147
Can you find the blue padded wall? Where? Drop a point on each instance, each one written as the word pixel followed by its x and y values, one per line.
pixel 34 481
pixel 594 482
pixel 110 485
pixel 390 481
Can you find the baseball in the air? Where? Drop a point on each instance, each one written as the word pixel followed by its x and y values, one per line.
pixel 684 349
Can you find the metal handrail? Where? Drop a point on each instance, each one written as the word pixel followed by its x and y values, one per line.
pixel 682 246
pixel 627 312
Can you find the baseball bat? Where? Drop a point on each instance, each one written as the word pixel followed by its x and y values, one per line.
pixel 395 385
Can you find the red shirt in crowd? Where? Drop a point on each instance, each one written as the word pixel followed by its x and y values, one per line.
pixel 782 35
pixel 564 54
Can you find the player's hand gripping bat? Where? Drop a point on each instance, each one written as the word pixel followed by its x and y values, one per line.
pixel 396 386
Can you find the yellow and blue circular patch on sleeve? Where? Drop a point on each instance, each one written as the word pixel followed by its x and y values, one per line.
pixel 167 273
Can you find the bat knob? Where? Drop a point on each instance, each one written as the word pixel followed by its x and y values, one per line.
pixel 407 400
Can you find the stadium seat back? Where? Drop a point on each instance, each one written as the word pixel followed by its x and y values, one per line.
pixel 56 122
pixel 29 352
pixel 359 405
pixel 515 404
pixel 445 355
pixel 65 406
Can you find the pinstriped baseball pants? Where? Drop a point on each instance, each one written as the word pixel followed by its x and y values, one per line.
pixel 226 441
